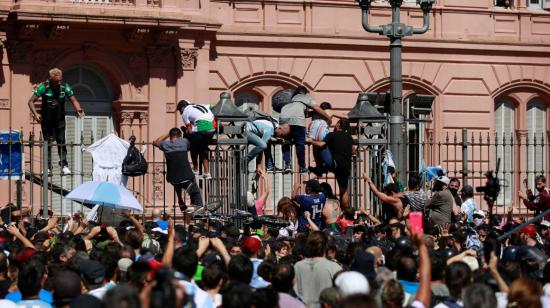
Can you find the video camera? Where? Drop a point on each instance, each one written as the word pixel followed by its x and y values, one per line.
pixel 492 186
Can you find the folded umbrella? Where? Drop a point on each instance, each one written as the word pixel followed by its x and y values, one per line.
pixel 106 194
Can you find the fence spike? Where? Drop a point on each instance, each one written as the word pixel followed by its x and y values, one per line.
pixel 455 138
pixel 447 137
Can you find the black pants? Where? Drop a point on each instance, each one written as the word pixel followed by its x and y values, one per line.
pixel 192 189
pixel 57 132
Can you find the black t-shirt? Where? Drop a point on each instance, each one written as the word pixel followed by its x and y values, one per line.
pixel 340 145
pixel 178 169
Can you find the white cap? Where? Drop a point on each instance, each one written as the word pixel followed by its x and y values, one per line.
pixel 350 283
pixel 479 213
pixel 545 223
pixel 443 179
pixel 472 262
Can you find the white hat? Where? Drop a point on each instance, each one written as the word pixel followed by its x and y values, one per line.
pixel 545 223
pixel 443 179
pixel 350 283
pixel 479 213
pixel 472 262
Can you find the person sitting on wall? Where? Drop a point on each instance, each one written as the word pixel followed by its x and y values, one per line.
pixel 200 127
pixel 294 114
pixel 53 93
pixel 178 170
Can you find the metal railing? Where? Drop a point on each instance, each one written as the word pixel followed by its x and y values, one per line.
pixel 465 155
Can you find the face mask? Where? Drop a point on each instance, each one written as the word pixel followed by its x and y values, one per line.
pixel 478 221
pixel 454 191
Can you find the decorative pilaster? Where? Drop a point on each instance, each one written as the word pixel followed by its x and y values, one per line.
pixel 187 58
pixel 158 180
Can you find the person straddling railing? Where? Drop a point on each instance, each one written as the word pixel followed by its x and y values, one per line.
pixel 53 93
pixel 294 114
pixel 178 171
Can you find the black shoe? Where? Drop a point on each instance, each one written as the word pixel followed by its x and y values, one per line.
pixel 183 207
pixel 316 171
pixel 287 170
pixel 303 170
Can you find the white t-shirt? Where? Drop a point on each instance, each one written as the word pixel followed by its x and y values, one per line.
pixel 192 114
pixel 201 299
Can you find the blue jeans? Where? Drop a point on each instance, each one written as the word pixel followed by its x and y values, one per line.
pixel 259 146
pixel 298 138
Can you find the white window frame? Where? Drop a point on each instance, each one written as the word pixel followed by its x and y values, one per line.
pixel 505 152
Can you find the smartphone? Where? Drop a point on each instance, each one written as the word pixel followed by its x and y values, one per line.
pixel 415 221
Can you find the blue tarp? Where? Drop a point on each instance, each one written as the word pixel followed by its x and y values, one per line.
pixel 10 150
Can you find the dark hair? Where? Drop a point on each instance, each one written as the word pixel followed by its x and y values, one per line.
pixel 30 278
pixel 325 105
pixel 175 132
pixel 327 190
pixel 349 213
pixel 122 296
pixel 479 295
pixel 181 105
pixel 438 267
pixel 540 178
pixel 109 259
pixel 414 181
pixel 358 301
pixel 186 261
pixel 406 269
pixel 163 293
pixel 391 188
pixel 237 295
pixel 343 125
pixel 282 280
pixel 266 270
pixel 3 262
pixel 240 269
pixel 316 244
pixel 457 276
pixel 133 238
pixel 266 297
pixel 300 90
pixel 454 180
pixel 211 276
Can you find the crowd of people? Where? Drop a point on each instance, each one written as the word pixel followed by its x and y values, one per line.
pixel 327 254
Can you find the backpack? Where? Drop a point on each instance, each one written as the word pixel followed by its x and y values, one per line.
pixel 281 99
pixel 134 164
pixel 254 115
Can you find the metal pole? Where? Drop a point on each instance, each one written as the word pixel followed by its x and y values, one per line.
pixel 464 156
pixel 396 108
pixel 45 175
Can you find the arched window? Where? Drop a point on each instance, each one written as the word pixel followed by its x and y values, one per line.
pixel 247 100
pixel 536 130
pixel 504 130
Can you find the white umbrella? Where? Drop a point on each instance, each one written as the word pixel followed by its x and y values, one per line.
pixel 106 194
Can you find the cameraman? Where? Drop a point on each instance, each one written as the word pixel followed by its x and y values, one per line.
pixel 540 202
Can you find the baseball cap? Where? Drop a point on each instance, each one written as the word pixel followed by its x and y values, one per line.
pixel 545 223
pixel 472 262
pixel 479 213
pixel 152 245
pixel 529 230
pixel 92 271
pixel 443 179
pixel 252 244
pixel 124 264
pixel 350 283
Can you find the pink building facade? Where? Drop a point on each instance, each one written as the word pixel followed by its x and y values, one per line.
pixel 130 61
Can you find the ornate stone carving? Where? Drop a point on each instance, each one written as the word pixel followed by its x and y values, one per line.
pixel 126 118
pixel 137 34
pixel 4 103
pixel 28 31
pixel 187 58
pixel 18 51
pixel 158 179
pixel 57 31
pixel 143 117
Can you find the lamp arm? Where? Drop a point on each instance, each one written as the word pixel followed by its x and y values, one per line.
pixel 426 24
pixel 366 25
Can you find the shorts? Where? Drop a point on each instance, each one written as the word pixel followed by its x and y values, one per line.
pixel 200 142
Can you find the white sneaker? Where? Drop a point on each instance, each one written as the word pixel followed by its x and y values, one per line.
pixel 196 172
pixel 190 210
pixel 66 170
pixel 206 176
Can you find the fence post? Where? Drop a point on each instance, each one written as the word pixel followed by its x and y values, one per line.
pixel 45 175
pixel 464 156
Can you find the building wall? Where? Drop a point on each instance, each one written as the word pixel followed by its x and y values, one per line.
pixel 156 52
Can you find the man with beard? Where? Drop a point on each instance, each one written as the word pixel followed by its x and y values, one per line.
pixel 540 202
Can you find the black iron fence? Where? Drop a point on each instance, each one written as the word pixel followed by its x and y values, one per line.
pixel 465 155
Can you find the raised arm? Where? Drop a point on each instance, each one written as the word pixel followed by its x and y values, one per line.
pixel 134 221
pixel 12 229
pixel 423 294
pixel 159 140
pixel 266 188
pixel 320 111
pixel 170 245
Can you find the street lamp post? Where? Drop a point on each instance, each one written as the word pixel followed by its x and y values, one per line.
pixel 395 31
